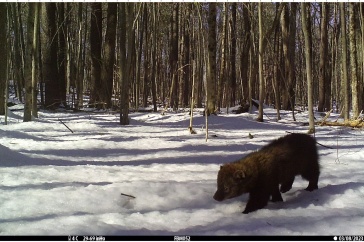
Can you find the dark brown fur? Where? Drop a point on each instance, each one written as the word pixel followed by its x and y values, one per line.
pixel 261 172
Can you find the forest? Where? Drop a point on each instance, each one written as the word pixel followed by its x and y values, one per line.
pixel 129 56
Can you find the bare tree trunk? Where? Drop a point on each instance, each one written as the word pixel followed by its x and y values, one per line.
pixel 211 80
pixel 174 57
pixel 52 89
pixel 154 59
pixel 233 56
pixel 28 82
pixel 3 59
pixel 261 79
pixel 361 87
pixel 109 53
pixel 345 82
pixel 19 68
pixel 246 46
pixel 306 28
pixel 96 46
pixel 353 61
pixel 80 59
pixel 35 60
pixel 62 49
pixel 323 56
pixel 126 43
pixel 223 74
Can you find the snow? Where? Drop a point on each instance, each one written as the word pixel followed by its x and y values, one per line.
pixel 54 182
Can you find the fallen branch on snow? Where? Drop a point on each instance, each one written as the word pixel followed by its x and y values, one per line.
pixel 123 194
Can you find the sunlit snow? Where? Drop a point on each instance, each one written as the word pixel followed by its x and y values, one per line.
pixel 54 182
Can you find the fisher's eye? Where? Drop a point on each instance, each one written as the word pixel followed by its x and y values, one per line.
pixel 226 189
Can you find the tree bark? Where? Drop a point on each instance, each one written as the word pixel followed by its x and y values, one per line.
pixel 18 66
pixel 345 82
pixel 353 61
pixel 35 61
pixel 306 28
pixel 261 77
pixel 51 77
pixel 211 80
pixel 28 82
pixel 109 53
pixel 174 57
pixel 233 55
pixel 3 59
pixel 126 43
pixel 323 56
pixel 96 46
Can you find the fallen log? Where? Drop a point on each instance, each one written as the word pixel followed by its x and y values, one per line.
pixel 357 123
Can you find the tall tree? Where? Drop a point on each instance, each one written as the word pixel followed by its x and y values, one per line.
pixel 109 53
pixel 345 82
pixel 35 61
pixel 233 54
pixel 154 57
pixel 174 56
pixel 246 45
pixel 223 60
pixel 323 56
pixel 28 83
pixel 62 51
pixel 126 43
pixel 211 79
pixel 260 57
pixel 50 46
pixel 288 24
pixel 3 59
pixel 18 65
pixel 353 61
pixel 80 56
pixel 306 28
pixel 96 47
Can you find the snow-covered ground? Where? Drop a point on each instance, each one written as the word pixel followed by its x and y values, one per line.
pixel 54 182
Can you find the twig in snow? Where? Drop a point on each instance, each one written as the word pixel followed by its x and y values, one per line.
pixel 127 195
pixel 65 125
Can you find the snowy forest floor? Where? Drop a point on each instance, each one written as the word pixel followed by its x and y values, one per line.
pixel 54 182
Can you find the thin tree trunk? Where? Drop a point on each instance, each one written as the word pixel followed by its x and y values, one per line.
pixel 306 28
pixel 62 49
pixel 261 79
pixel 28 82
pixel 80 62
pixel 174 57
pixel 233 56
pixel 126 42
pixel 211 79
pixel 35 60
pixel 154 59
pixel 345 81
pixel 223 74
pixel 3 59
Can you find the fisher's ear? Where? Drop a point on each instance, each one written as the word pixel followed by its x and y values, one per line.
pixel 220 167
pixel 239 175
